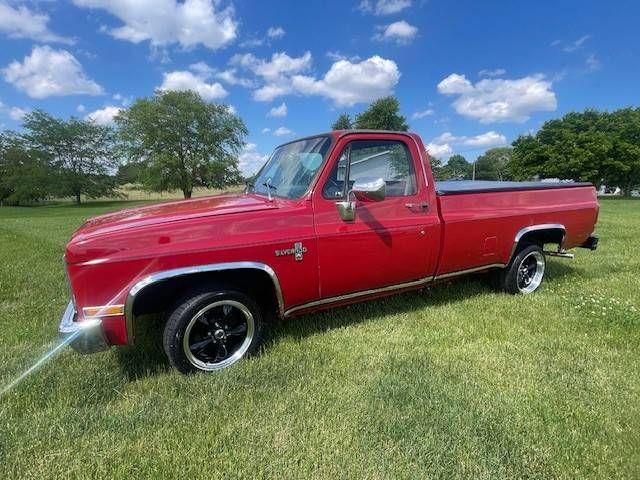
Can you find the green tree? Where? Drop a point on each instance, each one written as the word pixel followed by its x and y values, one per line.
pixel 24 174
pixel 457 167
pixel 494 164
pixel 182 141
pixel 383 114
pixel 599 147
pixel 80 153
pixel 437 169
pixel 129 173
pixel 342 123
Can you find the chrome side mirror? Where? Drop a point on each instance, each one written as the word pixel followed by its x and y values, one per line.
pixel 365 190
pixel 369 189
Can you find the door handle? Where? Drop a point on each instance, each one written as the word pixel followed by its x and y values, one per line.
pixel 421 206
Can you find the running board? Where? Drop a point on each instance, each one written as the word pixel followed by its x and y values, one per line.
pixel 562 254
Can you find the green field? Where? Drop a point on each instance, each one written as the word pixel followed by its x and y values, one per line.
pixel 455 381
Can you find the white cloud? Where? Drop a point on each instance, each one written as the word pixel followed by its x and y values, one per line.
pixel 439 150
pixel 593 63
pixel 229 76
pixel 498 72
pixel 20 22
pixel 499 100
pixel 484 140
pixel 275 32
pixel 17 113
pixel 280 111
pixel 250 160
pixel 383 7
pixel 423 113
pixel 276 73
pixel 164 22
pixel 280 64
pixel 103 116
pixel 455 84
pixel 80 108
pixel 337 55
pixel 576 44
pixel 185 80
pixel 400 32
pixel 443 145
pixel 282 131
pixel 124 100
pixel 266 130
pixel 271 91
pixel 202 69
pixel 47 72
pixel 348 83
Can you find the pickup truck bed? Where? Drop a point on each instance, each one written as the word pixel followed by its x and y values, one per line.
pixel 481 219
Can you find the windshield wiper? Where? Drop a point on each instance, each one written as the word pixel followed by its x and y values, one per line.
pixel 269 188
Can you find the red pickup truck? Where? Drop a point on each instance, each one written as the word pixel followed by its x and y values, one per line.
pixel 329 220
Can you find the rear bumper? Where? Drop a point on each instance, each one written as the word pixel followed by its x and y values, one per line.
pixel 84 337
pixel 591 243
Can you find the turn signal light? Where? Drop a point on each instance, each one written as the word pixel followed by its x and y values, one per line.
pixel 104 311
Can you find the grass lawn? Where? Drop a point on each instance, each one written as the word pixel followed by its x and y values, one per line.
pixel 455 381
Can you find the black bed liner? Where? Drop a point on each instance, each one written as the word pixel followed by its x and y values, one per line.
pixel 460 187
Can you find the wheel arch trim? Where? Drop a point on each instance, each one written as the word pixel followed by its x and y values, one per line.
pixel 537 228
pixel 157 277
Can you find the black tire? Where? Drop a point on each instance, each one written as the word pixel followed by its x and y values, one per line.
pixel 209 330
pixel 525 272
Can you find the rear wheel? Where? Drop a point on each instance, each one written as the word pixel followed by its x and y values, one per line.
pixel 209 331
pixel 525 272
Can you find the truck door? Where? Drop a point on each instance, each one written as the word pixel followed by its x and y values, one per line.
pixel 390 242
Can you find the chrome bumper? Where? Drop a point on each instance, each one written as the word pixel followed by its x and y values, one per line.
pixel 84 337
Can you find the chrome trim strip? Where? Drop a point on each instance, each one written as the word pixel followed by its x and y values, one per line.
pixel 469 270
pixel 180 272
pixel 349 296
pixel 390 288
pixel 533 228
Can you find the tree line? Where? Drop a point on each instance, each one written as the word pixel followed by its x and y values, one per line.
pixel 176 140
pixel 173 140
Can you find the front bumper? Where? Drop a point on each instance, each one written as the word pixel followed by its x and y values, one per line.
pixel 84 337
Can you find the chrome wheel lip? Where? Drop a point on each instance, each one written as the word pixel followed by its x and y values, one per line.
pixel 240 351
pixel 536 279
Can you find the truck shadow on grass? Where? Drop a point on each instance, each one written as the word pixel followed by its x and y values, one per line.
pixel 147 358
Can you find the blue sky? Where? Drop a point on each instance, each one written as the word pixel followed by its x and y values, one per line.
pixel 470 75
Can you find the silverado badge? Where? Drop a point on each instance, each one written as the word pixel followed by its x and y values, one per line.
pixel 297 251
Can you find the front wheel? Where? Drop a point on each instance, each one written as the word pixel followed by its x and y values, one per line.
pixel 209 331
pixel 525 272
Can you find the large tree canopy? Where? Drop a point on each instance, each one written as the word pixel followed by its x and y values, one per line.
pixel 25 176
pixel 383 114
pixel 343 122
pixel 182 141
pixel 599 147
pixel 494 164
pixel 81 154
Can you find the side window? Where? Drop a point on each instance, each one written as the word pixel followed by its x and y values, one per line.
pixel 386 159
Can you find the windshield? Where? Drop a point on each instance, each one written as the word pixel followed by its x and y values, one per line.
pixel 291 168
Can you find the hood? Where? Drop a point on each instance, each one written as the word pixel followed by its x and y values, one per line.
pixel 173 211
